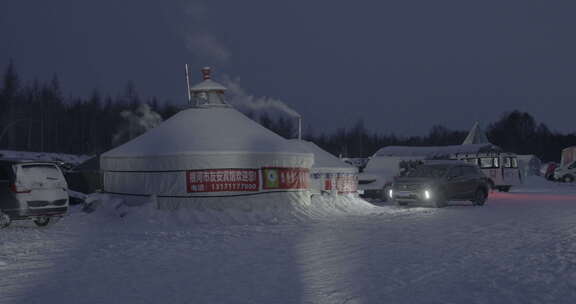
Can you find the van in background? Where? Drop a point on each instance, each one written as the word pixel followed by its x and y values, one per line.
pixel 31 190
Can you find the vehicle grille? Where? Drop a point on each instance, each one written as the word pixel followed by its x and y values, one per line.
pixel 46 211
pixel 38 203
pixel 408 187
pixel 408 197
pixel 60 202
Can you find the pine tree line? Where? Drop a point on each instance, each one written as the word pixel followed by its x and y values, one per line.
pixel 37 117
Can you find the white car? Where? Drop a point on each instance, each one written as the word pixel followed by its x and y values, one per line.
pixel 567 173
pixel 31 190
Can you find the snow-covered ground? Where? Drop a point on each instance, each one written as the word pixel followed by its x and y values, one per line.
pixel 519 248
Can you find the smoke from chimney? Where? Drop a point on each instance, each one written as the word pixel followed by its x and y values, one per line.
pixel 247 103
pixel 136 123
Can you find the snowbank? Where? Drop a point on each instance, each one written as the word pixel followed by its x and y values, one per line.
pixel 538 184
pixel 213 211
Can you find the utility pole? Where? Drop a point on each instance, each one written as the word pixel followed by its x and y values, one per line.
pixel 42 125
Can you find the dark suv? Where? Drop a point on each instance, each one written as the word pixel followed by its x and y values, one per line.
pixel 436 182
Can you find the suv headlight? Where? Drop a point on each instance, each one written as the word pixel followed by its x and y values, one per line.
pixel 427 194
pixel 391 193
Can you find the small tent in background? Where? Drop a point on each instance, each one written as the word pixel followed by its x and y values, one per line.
pixel 329 174
pixel 568 156
pixel 208 156
pixel 476 136
pixel 529 165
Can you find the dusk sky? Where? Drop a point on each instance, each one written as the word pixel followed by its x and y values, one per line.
pixel 402 66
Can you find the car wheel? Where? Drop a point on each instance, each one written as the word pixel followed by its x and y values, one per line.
pixel 490 185
pixel 480 197
pixel 4 220
pixel 42 221
pixel 568 178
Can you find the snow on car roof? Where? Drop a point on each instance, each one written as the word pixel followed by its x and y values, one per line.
pixel 26 161
pixel 43 156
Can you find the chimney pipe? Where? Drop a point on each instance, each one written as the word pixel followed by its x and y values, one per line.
pixel 206 73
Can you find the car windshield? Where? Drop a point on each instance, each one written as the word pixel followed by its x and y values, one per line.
pixel 428 171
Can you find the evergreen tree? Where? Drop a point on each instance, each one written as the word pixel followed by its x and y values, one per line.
pixel 8 103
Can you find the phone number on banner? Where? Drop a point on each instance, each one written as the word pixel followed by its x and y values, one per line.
pixel 222 180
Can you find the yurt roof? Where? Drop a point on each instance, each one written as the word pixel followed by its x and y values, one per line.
pixel 323 159
pixel 208 85
pixel 205 131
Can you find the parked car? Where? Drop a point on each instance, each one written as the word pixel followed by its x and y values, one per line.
pixel 437 182
pixel 566 173
pixel 547 170
pixel 31 190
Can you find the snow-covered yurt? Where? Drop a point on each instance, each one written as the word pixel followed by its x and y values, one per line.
pixel 329 174
pixel 208 155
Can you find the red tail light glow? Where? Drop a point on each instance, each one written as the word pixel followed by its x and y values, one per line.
pixel 17 189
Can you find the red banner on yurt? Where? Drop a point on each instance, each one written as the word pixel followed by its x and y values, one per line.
pixel 274 178
pixel 222 180
pixel 347 183
pixel 327 184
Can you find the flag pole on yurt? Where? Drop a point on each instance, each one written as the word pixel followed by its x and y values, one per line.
pixel 188 84
pixel 299 127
